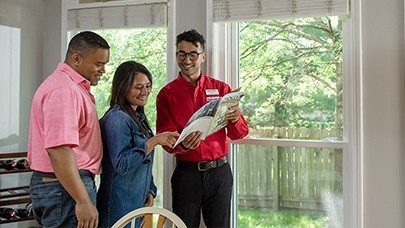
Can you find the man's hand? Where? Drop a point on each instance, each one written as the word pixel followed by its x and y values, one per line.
pixel 234 115
pixel 192 141
pixel 87 215
pixel 64 164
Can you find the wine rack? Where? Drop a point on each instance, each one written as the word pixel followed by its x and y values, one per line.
pixel 14 195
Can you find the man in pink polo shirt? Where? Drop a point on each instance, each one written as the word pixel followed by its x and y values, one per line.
pixel 64 146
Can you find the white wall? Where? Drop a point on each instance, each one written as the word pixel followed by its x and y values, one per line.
pixel 383 109
pixel 28 16
pixel 383 90
pixel 39 23
pixel 52 38
pixel 190 14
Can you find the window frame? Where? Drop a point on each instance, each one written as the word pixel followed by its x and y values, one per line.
pixel 168 159
pixel 222 43
pixel 222 61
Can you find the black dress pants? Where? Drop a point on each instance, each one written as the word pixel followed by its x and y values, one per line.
pixel 207 191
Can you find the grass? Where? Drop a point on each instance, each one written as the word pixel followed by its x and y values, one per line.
pixel 259 218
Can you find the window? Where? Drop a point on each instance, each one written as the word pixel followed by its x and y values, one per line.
pixel 134 32
pixel 146 46
pixel 10 84
pixel 286 160
pixel 300 96
pixel 292 73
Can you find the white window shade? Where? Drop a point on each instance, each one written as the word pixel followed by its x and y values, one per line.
pixel 128 16
pixel 249 10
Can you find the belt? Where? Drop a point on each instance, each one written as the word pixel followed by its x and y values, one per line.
pixel 204 165
pixel 82 172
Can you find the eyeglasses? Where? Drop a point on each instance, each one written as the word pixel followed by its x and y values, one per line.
pixel 192 55
pixel 148 88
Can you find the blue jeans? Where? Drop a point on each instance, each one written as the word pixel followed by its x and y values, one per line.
pixel 52 205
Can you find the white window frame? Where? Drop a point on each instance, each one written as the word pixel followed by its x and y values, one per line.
pixel 222 43
pixel 223 62
pixel 10 59
pixel 168 159
pixel 74 4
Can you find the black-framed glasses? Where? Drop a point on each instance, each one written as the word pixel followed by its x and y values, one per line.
pixel 192 55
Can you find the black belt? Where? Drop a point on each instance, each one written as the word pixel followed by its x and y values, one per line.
pixel 204 165
pixel 82 172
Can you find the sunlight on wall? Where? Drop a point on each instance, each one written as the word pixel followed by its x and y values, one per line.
pixel 9 83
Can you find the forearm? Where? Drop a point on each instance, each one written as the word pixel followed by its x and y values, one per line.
pixel 166 139
pixel 150 145
pixel 177 150
pixel 239 129
pixel 63 161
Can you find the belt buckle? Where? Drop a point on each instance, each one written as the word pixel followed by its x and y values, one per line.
pixel 201 168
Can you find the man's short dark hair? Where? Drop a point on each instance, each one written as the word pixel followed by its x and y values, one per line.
pixel 86 41
pixel 191 36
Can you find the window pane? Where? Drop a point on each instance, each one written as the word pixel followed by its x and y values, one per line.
pixel 289 186
pixel 291 71
pixel 158 171
pixel 146 46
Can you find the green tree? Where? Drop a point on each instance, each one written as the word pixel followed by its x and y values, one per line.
pixel 292 73
pixel 146 46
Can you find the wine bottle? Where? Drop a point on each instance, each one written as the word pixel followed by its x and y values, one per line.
pixel 22 212
pixel 8 213
pixel 8 164
pixel 23 164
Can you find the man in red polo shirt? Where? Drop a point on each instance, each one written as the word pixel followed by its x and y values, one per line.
pixel 202 180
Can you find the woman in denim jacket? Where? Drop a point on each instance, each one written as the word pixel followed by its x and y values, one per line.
pixel 126 180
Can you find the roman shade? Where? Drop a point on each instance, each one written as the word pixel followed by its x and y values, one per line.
pixel 125 16
pixel 249 10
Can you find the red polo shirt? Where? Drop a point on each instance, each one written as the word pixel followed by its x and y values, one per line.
pixel 178 101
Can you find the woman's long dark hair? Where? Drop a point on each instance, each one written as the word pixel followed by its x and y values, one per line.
pixel 124 76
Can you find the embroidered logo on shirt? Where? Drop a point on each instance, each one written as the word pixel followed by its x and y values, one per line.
pixel 213 98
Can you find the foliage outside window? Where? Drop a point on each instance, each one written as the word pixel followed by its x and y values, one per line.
pixel 291 71
pixel 146 46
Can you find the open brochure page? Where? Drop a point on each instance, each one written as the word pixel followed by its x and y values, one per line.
pixel 210 118
pixel 219 121
pixel 199 121
pixel 202 124
pixel 223 108
pixel 208 109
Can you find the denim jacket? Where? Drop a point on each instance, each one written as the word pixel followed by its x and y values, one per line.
pixel 126 178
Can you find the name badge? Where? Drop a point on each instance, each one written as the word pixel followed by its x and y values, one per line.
pixel 210 92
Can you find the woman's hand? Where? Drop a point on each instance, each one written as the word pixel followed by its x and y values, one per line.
pixel 148 203
pixel 164 139
pixel 167 138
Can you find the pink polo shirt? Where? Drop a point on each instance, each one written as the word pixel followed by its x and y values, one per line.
pixel 63 113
